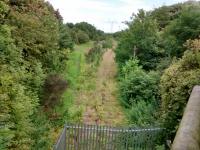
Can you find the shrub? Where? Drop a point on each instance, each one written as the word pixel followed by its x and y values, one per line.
pixel 142 113
pixel 53 89
pixel 82 37
pixel 107 43
pixel 137 85
pixel 65 39
pixel 18 103
pixel 176 85
pixel 95 53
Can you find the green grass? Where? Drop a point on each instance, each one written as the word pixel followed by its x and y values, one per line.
pixel 84 92
pixel 83 47
pixel 75 75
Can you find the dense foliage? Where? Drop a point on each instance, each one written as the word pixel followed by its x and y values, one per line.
pixel 83 32
pixel 165 14
pixel 17 101
pixel 138 92
pixel 34 50
pixel 38 64
pixel 82 37
pixel 160 39
pixel 89 29
pixel 177 83
pixel 65 39
pixel 185 27
pixel 141 40
pixel 94 54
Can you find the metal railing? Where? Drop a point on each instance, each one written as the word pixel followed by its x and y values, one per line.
pixel 61 143
pixel 96 137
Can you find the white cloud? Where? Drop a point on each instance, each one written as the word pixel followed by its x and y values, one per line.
pixel 100 12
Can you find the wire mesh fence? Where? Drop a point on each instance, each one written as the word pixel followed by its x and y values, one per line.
pixel 96 137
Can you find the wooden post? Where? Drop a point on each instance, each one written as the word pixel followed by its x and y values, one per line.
pixel 134 51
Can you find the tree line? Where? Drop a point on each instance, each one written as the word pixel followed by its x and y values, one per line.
pixel 157 56
pixel 158 61
pixel 34 47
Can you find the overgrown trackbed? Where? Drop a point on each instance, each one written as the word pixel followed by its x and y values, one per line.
pixel 100 103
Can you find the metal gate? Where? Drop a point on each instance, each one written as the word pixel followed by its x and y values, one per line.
pixel 96 137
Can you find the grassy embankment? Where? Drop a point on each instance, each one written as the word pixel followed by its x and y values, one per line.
pixel 76 68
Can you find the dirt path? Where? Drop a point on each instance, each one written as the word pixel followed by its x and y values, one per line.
pixel 101 105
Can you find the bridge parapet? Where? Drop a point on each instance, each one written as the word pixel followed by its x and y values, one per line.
pixel 188 134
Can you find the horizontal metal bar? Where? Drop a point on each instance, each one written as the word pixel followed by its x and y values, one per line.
pixel 114 130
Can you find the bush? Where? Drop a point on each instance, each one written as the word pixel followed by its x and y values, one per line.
pixel 82 37
pixel 142 113
pixel 176 85
pixel 65 39
pixel 137 85
pixel 139 93
pixel 107 43
pixel 42 132
pixel 54 87
pixel 95 53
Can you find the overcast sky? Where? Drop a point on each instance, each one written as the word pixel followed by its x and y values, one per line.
pixel 106 15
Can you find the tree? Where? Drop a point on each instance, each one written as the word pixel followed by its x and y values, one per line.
pixel 36 31
pixel 65 39
pixel 180 30
pixel 139 93
pixel 137 85
pixel 17 102
pixel 88 29
pixel 29 52
pixel 82 37
pixel 165 14
pixel 141 40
